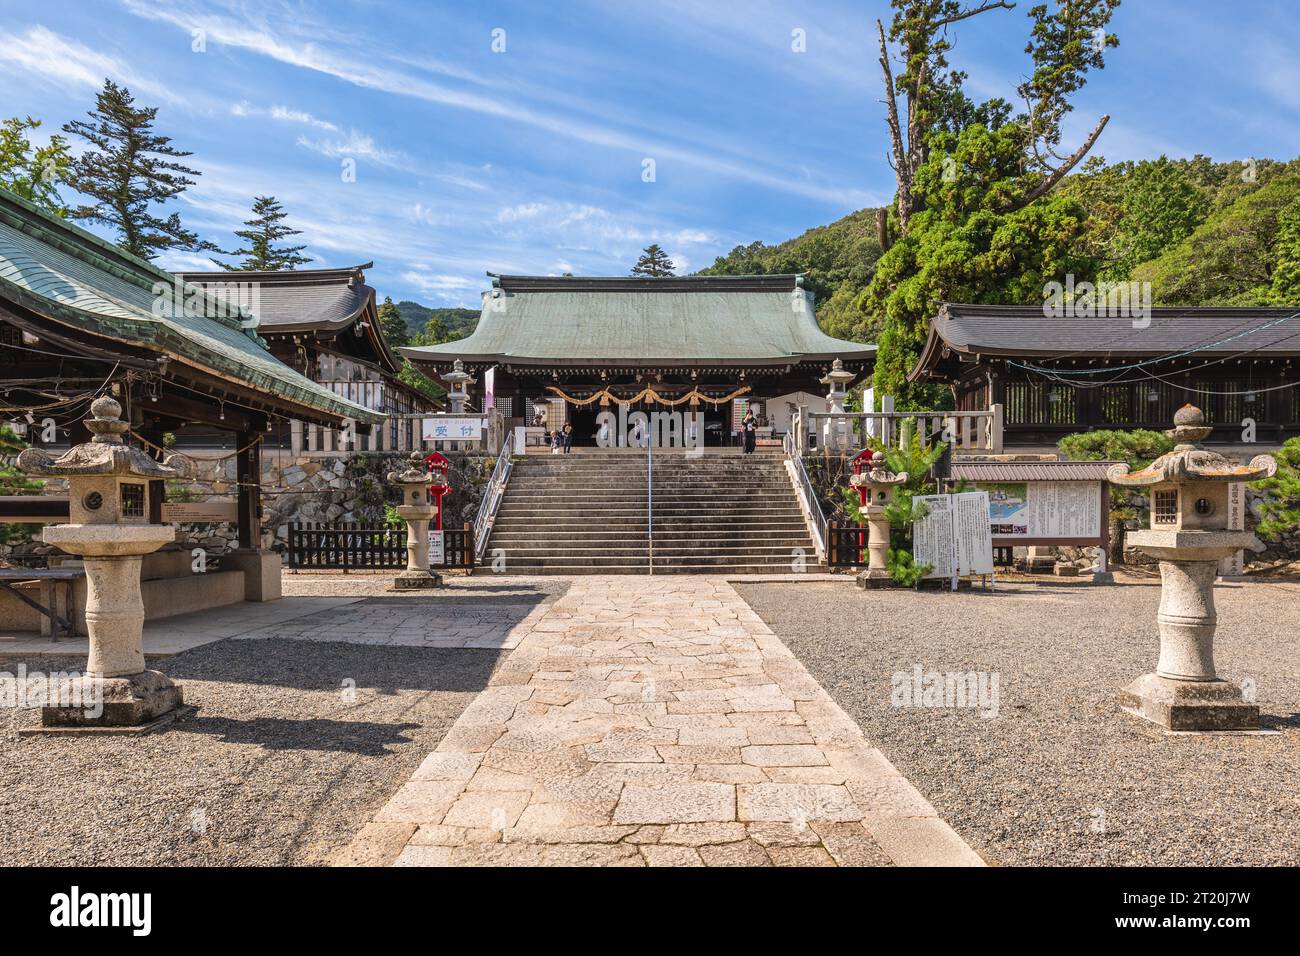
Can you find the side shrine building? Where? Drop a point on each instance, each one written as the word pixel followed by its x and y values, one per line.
pixel 567 348
pixel 1055 376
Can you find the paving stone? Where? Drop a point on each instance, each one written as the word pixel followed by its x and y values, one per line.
pixel 799 856
pixel 744 853
pixel 784 755
pixel 650 722
pixel 676 803
pixel 702 834
pixel 495 809
pixel 671 856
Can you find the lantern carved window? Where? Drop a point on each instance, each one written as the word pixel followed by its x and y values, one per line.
pixel 1165 510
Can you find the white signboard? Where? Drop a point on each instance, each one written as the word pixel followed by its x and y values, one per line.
pixel 955 537
pixel 1044 509
pixel 453 429
pixel 972 535
pixel 932 536
pixel 437 549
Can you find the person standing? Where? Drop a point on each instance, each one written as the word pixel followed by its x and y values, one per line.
pixel 568 436
pixel 749 429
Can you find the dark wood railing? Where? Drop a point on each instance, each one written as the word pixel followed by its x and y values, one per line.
pixel 349 547
pixel 846 546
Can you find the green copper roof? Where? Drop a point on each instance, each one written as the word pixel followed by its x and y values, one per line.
pixel 759 320
pixel 59 270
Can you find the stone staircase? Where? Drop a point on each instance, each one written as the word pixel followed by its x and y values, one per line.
pixel 586 514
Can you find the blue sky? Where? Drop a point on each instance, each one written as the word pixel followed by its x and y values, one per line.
pixel 531 160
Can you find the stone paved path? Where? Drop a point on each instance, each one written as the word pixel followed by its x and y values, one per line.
pixel 655 721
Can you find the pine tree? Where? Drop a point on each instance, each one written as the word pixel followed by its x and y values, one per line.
pixel 126 171
pixel 264 230
pixel 654 263
pixel 393 326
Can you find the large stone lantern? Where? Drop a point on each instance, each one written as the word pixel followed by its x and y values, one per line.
pixel 108 505
pixel 457 382
pixel 837 379
pixel 1189 535
pixel 875 485
pixel 418 508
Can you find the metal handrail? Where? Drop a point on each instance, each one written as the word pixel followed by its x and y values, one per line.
pixel 650 501
pixel 807 495
pixel 492 495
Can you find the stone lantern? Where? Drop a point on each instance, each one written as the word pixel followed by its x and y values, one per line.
pixel 108 504
pixel 838 379
pixel 1189 535
pixel 457 380
pixel 418 508
pixel 875 485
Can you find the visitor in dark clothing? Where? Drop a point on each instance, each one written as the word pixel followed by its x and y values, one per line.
pixel 568 436
pixel 749 428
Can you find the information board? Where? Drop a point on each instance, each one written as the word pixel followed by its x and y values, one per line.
pixel 955 536
pixel 213 511
pixel 1044 509
pixel 437 549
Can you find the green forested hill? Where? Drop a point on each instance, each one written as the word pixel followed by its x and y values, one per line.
pixel 838 258
pixel 454 323
pixel 1202 232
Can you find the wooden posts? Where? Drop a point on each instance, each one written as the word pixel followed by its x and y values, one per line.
pixel 248 469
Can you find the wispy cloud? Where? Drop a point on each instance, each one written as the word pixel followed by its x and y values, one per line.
pixel 362 68
pixel 40 51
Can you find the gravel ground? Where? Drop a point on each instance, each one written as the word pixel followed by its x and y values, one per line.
pixel 1062 776
pixel 277 767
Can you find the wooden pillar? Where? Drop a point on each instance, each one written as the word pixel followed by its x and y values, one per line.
pixel 248 468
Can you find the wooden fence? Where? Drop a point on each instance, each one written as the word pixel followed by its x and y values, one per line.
pixel 846 546
pixel 351 547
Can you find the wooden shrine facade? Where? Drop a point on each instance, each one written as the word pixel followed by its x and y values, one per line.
pixel 1058 376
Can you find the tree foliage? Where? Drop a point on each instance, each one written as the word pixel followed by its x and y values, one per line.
pixel 654 263
pixel 974 214
pixel 1280 514
pixel 392 325
pixel 33 172
pixel 127 170
pixel 261 235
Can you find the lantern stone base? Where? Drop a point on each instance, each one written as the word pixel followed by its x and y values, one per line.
pixel 873 578
pixel 1188 704
pixel 126 702
pixel 417 580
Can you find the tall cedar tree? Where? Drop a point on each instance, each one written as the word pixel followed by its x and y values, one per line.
pixel 127 171
pixel 393 326
pixel 654 263
pixel 974 219
pixel 264 230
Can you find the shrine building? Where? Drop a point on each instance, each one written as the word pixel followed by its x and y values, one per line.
pixel 566 348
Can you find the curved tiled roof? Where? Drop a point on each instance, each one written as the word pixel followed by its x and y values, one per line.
pixel 1024 330
pixel 740 320
pixel 320 301
pixel 58 270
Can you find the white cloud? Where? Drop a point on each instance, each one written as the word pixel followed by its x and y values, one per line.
pixel 71 65
pixel 355 146
pixel 360 68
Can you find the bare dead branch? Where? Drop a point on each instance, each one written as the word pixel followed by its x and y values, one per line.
pixel 972 12
pixel 1043 188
